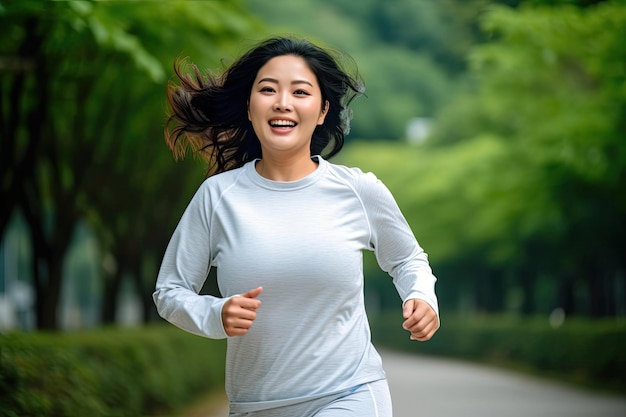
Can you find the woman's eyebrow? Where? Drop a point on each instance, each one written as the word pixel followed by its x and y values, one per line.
pixel 275 81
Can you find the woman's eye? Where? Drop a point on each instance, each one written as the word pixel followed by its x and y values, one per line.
pixel 267 90
pixel 301 93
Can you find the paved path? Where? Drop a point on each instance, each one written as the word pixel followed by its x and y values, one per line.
pixel 432 387
pixel 423 386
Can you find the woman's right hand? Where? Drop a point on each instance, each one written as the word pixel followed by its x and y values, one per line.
pixel 239 312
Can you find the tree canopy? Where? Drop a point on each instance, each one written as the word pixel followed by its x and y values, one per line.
pixel 82 127
pixel 522 181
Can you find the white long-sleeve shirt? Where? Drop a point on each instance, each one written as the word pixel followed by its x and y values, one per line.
pixel 302 241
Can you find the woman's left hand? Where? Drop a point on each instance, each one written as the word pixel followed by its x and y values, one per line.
pixel 421 319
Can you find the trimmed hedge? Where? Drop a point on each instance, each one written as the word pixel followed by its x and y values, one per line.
pixel 586 352
pixel 106 372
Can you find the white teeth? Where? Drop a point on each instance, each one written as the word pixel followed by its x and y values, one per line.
pixel 282 123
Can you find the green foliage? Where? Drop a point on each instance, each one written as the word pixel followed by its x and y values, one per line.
pixel 590 353
pixel 84 84
pixel 110 372
pixel 445 189
pixel 402 82
pixel 488 222
pixel 399 87
pixel 551 85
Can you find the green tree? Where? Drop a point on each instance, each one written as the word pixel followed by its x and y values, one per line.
pixel 551 85
pixel 83 113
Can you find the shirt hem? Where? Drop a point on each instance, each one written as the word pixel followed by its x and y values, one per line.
pixel 246 407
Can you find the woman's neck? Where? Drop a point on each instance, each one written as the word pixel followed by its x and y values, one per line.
pixel 285 169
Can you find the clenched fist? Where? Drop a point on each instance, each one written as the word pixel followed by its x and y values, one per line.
pixel 239 312
pixel 421 319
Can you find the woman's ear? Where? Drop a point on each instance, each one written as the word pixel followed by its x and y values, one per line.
pixel 248 109
pixel 323 113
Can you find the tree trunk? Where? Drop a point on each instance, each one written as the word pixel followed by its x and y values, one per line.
pixel 597 291
pixel 495 292
pixel 143 291
pixel 528 292
pixel 112 286
pixel 50 300
pixel 16 166
pixel 566 298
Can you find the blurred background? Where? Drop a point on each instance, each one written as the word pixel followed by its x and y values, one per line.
pixel 499 126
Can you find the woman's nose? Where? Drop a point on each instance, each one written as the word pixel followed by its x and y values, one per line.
pixel 283 103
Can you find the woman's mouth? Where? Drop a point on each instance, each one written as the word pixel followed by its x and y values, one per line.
pixel 282 124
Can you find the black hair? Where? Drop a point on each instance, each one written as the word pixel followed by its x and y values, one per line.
pixel 209 112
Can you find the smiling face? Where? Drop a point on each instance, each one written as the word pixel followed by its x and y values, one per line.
pixel 286 106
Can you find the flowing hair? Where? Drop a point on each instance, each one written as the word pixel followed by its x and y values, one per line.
pixel 209 113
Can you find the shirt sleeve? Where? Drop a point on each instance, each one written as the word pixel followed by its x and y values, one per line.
pixel 184 269
pixel 397 251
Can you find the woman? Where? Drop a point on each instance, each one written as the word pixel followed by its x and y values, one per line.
pixel 285 230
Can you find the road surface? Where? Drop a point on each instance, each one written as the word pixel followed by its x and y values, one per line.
pixel 435 387
pixel 423 386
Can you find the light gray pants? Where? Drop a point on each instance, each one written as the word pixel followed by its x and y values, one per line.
pixel 367 400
